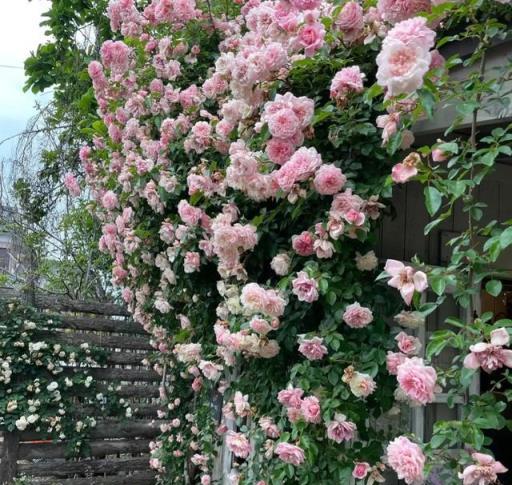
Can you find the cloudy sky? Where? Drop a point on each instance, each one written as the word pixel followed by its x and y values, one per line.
pixel 20 34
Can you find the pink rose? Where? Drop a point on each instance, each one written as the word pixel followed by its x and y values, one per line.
pixel 483 472
pixel 311 36
pixel 189 215
pixel 290 453
pixel 339 429
pixel 305 288
pixel 397 10
pixel 238 444
pixel 360 470
pixel 290 397
pixel 279 151
pixel 402 172
pixel 402 67
pixel 491 356
pixel 313 349
pixel 310 408
pixel 302 165
pixel 260 326
pixel 347 81
pixel 283 124
pixel 406 279
pixel 417 380
pixel 413 32
pixel 72 184
pixel 393 360
pixel 406 459
pixel 361 384
pixel 109 200
pixel 192 262
pixel 408 344
pixel 329 180
pixel 351 21
pixel 303 243
pixel 357 316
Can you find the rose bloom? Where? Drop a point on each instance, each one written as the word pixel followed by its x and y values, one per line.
pixel 279 151
pixel 417 380
pixel 402 172
pixel 238 444
pixel 393 360
pixel 291 397
pixel 408 344
pixel 283 123
pixel 192 262
pixel 339 429
pixel 397 10
pixel 329 180
pixel 303 243
pixel 406 459
pixel 290 453
pixel 361 385
pixel 357 316
pixel 281 264
pixel 483 472
pixel 260 326
pixel 492 356
pixel 310 408
pixel 109 200
pixel 305 288
pixel 405 279
pixel 346 81
pixel 360 470
pixel 72 184
pixel 351 21
pixel 402 67
pixel 313 349
pixel 413 31
pixel 311 36
pixel 366 262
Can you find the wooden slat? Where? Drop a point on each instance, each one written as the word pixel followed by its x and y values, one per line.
pixel 146 391
pixel 97 449
pixel 85 467
pixel 102 325
pixel 136 478
pixel 110 429
pixel 107 374
pixel 109 341
pixel 62 303
pixel 138 410
pixel 126 358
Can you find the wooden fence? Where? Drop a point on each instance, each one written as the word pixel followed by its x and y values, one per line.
pixel 119 448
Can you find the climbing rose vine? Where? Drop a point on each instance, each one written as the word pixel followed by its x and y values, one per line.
pixel 243 159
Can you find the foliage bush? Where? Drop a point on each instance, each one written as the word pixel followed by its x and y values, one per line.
pixel 241 164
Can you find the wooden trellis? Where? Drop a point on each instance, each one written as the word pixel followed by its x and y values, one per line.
pixel 119 448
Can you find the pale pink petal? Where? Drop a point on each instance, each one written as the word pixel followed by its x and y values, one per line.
pixel 479 347
pixel 482 458
pixel 498 467
pixel 505 357
pixel 393 267
pixel 471 361
pixel 420 281
pixel 500 336
pixel 395 282
pixel 407 292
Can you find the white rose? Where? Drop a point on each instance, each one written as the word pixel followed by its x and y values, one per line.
pixel 281 264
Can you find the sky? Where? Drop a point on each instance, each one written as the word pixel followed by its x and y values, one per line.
pixel 20 34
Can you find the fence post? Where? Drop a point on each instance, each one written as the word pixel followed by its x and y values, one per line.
pixel 10 458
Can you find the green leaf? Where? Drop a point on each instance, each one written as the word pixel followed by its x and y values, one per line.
pixel 493 287
pixel 506 238
pixel 433 199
